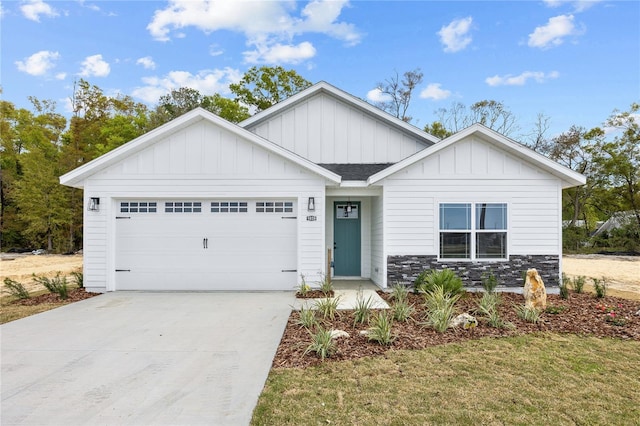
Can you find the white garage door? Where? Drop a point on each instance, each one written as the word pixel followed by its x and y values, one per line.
pixel 206 245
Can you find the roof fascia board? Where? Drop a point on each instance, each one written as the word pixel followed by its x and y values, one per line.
pixel 569 177
pixel 76 176
pixel 324 87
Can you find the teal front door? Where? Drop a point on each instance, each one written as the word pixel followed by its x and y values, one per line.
pixel 346 239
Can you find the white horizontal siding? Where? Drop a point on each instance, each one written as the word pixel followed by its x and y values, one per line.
pixel 472 171
pixel 378 274
pixel 326 130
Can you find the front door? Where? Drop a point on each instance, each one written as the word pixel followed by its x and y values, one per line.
pixel 346 239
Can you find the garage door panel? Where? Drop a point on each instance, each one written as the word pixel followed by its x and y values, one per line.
pixel 206 251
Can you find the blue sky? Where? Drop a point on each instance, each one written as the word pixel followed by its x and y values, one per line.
pixel 574 61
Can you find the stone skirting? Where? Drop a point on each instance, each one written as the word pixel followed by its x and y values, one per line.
pixel 405 269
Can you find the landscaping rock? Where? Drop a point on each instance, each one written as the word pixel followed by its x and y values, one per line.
pixel 465 320
pixel 535 294
pixel 336 334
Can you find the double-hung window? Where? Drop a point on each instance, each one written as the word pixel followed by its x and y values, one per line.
pixel 473 231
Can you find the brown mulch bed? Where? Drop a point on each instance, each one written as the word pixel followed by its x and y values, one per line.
pixel 75 295
pixel 314 294
pixel 582 314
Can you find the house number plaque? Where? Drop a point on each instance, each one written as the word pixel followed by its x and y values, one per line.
pixel 312 218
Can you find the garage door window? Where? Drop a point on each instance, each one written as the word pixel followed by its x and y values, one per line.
pixel 183 207
pixel 229 207
pixel 274 207
pixel 138 207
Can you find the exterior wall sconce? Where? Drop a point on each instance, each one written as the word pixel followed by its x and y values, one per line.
pixel 94 204
pixel 349 208
pixel 311 205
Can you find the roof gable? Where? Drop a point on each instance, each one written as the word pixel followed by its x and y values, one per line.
pixel 326 88
pixel 569 177
pixel 77 176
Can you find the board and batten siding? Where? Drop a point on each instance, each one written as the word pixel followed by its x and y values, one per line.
pixel 378 265
pixel 472 170
pixel 325 129
pixel 200 162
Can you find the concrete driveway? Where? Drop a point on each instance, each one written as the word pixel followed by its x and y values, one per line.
pixel 142 358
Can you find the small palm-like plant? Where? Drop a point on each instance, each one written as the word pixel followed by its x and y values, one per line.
pixel 328 307
pixel 528 314
pixel 489 282
pixel 440 308
pixel 380 330
pixel 362 310
pixel 444 278
pixel 307 318
pixel 321 343
pixel 16 289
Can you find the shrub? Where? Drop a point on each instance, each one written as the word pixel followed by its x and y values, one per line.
pixel 555 310
pixel 578 284
pixel 488 308
pixel 600 286
pixel 564 286
pixel 321 343
pixel 489 282
pixel 362 309
pixel 444 278
pixel 421 281
pixel 381 329
pixel 307 318
pixel 16 289
pixel 399 293
pixel 440 308
pixel 57 284
pixel 78 278
pixel 328 307
pixel 325 285
pixel 303 288
pixel 527 314
pixel 402 310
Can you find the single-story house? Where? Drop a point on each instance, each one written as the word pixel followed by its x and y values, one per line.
pixel 203 204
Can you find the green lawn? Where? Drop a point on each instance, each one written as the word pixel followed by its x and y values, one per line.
pixel 533 379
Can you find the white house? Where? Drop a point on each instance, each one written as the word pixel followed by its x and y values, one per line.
pixel 204 204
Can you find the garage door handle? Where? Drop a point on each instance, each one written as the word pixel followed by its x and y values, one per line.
pixel 123 270
pixel 289 270
pixel 205 243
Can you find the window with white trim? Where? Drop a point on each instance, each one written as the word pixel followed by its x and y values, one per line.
pixel 138 207
pixel 473 231
pixel 229 207
pixel 182 207
pixel 274 207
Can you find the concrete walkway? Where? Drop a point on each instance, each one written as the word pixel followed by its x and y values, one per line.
pixel 348 292
pixel 142 358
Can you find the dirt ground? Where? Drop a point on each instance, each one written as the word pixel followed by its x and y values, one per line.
pixel 622 272
pixel 19 267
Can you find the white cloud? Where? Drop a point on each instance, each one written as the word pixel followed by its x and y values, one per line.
pixel 553 33
pixel 376 95
pixel 269 27
pixel 578 6
pixel 455 36
pixel 206 82
pixel 95 66
pixel 147 63
pixel 520 80
pixel 435 92
pixel 33 9
pixel 61 76
pixel 38 63
pixel 215 50
pixel 280 53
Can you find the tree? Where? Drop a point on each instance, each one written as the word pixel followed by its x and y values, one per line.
pixel 437 129
pixel 399 93
pixel 493 114
pixel 226 108
pixel 618 161
pixel 260 88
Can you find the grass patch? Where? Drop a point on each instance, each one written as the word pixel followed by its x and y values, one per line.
pixel 10 312
pixel 531 379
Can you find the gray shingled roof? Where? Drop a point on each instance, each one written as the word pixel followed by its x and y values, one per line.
pixel 356 171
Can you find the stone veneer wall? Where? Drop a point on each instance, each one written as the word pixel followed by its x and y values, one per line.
pixel 405 269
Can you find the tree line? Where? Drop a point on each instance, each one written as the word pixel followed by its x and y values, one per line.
pixel 39 144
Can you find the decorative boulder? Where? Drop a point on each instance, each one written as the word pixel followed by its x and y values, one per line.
pixel 335 334
pixel 465 320
pixel 535 294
